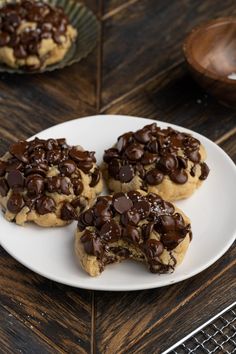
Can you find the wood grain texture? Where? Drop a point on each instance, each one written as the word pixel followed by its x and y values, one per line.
pixel 15 337
pixel 151 321
pixel 145 38
pixel 59 315
pixel 175 98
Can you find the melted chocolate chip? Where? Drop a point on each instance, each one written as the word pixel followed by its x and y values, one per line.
pixel 147 229
pixel 142 135
pixel 15 179
pixel 179 176
pixel 92 245
pixel 35 185
pixel 131 234
pixel 131 217
pixel 68 212
pixel 3 166
pixel 153 249
pixel 121 203
pixel 204 171
pixel 4 188
pixel 154 177
pixel 19 150
pixel 95 177
pixel 110 231
pixel 77 186
pixel 15 203
pixel 67 167
pixel 45 205
pixel 123 141
pixel 65 185
pixel 143 208
pixel 134 152
pixel 114 168
pixel 110 154
pixel 53 184
pixel 167 163
pixel 86 219
pixel 148 158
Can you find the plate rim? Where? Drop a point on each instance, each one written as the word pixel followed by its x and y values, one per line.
pixel 153 284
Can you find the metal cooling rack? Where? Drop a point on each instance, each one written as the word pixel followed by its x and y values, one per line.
pixel 216 336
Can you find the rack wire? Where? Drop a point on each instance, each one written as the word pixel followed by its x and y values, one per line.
pixel 216 336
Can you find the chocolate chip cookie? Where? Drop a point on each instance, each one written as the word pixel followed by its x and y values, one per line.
pixel 34 34
pixel 164 161
pixel 133 225
pixel 47 182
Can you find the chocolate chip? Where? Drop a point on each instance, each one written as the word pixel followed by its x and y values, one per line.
pixel 65 185
pixel 15 203
pixel 45 205
pixel 3 187
pixel 51 144
pixel 36 168
pixel 121 203
pixel 131 234
pixel 179 176
pixel 153 249
pixel 134 195
pixel 153 146
pixel 20 52
pixel 19 151
pixel 114 168
pixel 53 156
pixel 126 173
pixel 165 223
pixel 147 230
pixel 171 240
pixel 134 152
pixel 110 154
pixel 193 171
pixel 131 217
pixel 182 162
pixel 35 185
pixel 37 156
pixel 100 220
pixel 13 164
pixel 154 177
pixel 140 170
pixel 193 155
pixel 53 184
pixel 67 167
pixel 167 163
pixel 15 178
pixel 143 208
pixel 167 207
pixel 86 219
pixel 3 166
pixel 142 135
pixel 4 39
pixel 204 171
pixel 92 245
pixel 77 186
pixel 95 177
pixel 68 212
pixel 123 141
pixel 148 158
pixel 80 202
pixel 110 231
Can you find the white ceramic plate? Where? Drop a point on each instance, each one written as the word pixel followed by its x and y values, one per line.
pixel 49 252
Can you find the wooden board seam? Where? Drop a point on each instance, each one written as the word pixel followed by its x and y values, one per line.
pixel 225 136
pixel 181 304
pixel 118 9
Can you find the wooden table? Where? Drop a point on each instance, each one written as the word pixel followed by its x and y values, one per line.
pixel 137 69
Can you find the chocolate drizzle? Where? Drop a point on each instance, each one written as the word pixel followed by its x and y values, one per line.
pixel 145 222
pixel 26 171
pixel 167 151
pixel 49 22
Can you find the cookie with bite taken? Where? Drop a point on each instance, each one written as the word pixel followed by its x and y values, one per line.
pixel 134 225
pixel 47 182
pixel 164 161
pixel 34 34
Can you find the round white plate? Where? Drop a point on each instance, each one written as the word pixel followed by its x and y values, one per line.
pixel 49 252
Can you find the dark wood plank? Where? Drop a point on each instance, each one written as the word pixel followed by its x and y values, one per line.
pixel 175 98
pixel 112 6
pixel 145 38
pixel 59 314
pixel 31 103
pixel 150 321
pixel 15 337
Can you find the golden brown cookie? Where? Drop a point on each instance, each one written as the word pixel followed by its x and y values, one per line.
pixel 34 34
pixel 133 225
pixel 152 159
pixel 47 182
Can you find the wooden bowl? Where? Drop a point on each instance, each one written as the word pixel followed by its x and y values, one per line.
pixel 210 51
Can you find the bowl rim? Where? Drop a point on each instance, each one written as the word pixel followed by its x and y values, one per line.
pixel 190 58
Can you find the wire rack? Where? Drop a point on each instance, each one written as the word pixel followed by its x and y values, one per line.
pixel 216 336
